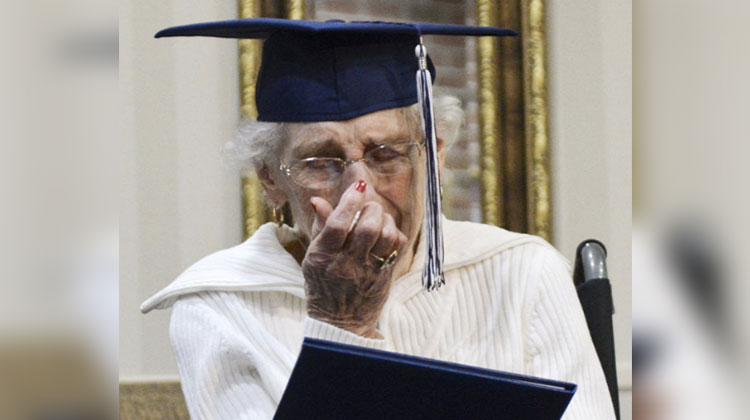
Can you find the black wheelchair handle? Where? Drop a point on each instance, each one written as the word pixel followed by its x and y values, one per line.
pixel 591 261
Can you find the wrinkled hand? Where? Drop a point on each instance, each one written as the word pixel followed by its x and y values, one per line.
pixel 344 284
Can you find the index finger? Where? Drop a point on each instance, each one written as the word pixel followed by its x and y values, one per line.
pixel 334 233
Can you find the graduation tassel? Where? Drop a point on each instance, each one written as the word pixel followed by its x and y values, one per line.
pixel 432 275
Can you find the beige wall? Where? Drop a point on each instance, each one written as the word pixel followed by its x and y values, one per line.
pixel 590 76
pixel 180 103
pixel 178 202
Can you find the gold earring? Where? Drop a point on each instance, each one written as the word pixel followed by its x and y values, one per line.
pixel 278 216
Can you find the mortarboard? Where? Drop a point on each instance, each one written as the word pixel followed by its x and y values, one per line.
pixel 336 70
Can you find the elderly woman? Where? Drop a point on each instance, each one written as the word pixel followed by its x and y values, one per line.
pixel 354 180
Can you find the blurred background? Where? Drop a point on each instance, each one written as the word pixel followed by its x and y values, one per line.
pixel 59 186
pixel 691 325
pixel 83 146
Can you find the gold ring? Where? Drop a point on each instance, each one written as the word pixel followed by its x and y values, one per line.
pixel 387 261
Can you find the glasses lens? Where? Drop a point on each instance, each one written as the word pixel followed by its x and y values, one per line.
pixel 317 172
pixel 391 159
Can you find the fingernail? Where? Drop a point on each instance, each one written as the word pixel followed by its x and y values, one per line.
pixel 361 185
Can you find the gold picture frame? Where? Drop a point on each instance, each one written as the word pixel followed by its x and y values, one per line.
pixel 512 92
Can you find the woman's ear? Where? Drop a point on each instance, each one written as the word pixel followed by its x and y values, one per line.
pixel 273 191
pixel 441 153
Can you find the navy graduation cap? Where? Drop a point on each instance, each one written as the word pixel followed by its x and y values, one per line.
pixel 335 70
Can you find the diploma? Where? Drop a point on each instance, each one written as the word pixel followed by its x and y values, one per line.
pixel 338 381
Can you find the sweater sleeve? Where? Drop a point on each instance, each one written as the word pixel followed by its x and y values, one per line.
pixel 560 346
pixel 223 370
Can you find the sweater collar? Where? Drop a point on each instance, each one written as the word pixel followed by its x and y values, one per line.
pixel 262 264
pixel 259 264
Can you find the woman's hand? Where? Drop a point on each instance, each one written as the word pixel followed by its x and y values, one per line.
pixel 344 282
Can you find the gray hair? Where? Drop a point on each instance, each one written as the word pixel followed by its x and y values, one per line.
pixel 257 143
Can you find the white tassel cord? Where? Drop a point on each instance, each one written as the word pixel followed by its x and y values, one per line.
pixel 432 275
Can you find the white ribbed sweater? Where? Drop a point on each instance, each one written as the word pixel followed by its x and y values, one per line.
pixel 509 304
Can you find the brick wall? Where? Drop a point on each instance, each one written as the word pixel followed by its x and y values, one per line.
pixel 455 59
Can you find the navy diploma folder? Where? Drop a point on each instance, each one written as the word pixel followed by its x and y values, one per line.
pixel 339 381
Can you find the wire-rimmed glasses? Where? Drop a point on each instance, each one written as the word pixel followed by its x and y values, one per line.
pixel 325 172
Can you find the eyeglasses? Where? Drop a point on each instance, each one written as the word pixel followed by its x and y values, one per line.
pixel 325 172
